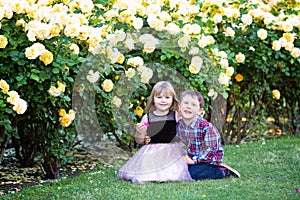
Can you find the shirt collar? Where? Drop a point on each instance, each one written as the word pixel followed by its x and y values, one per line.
pixel 193 123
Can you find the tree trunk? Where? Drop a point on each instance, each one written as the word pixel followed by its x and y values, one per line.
pixel 218 115
pixel 3 143
pixel 26 145
pixel 51 167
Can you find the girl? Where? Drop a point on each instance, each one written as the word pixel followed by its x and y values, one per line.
pixel 162 159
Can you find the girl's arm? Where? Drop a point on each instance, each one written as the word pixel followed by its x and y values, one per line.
pixel 141 130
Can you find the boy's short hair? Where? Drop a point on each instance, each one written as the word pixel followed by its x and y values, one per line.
pixel 195 94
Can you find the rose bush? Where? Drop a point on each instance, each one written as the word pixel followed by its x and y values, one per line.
pixel 10 105
pixel 86 67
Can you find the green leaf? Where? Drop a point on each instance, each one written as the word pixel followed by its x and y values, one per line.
pixel 67 98
pixel 55 70
pixel 44 75
pixel 8 110
pixel 70 79
pixel 35 77
pixel 36 71
pixel 81 59
pixel 2 104
pixel 163 57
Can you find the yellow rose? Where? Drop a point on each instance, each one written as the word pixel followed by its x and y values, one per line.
pixel 35 51
pixel 20 106
pixel 116 101
pixel 4 86
pixel 53 91
pixel 137 23
pixel 289 46
pixel 42 32
pixel 287 26
pixel 135 61
pixel 276 45
pixel 71 30
pixel 290 37
pixel 262 34
pixel 74 48
pixel 3 41
pixel 239 77
pixel 229 71
pixel 65 120
pixel 107 85
pixel 224 63
pixel 120 58
pixel 240 57
pixel 72 114
pixel 229 32
pixel 276 94
pixel 62 112
pixel 139 111
pixel 183 42
pixel 61 86
pixel 13 97
pixel 295 52
pixel 54 30
pixel 148 47
pixel 46 57
pixel 194 69
pixel 130 73
pixel 223 79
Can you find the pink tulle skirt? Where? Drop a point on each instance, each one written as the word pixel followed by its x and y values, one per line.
pixel 156 163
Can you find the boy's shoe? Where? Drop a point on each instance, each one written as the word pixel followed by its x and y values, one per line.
pixel 228 171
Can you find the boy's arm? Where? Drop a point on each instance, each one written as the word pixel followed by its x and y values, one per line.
pixel 211 146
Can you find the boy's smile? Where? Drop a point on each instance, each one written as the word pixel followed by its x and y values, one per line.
pixel 189 108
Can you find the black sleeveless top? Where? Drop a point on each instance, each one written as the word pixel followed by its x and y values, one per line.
pixel 162 129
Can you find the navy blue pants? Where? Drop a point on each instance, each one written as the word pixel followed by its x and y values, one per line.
pixel 203 171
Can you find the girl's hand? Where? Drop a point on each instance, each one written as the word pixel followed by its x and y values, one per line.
pixel 147 139
pixel 141 128
pixel 141 133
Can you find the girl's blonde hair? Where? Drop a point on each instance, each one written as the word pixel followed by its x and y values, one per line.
pixel 164 87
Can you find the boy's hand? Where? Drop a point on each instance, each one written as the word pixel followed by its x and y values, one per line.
pixel 188 160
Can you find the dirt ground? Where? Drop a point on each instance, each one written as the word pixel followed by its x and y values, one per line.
pixel 13 178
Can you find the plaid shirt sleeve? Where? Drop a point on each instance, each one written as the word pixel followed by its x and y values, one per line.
pixel 203 142
pixel 211 150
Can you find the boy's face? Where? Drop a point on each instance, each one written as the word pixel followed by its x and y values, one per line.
pixel 189 108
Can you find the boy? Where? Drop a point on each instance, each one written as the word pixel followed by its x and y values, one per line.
pixel 205 152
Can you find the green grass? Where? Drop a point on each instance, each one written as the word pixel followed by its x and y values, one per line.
pixel 269 171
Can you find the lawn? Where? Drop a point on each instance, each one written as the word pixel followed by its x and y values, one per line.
pixel 269 170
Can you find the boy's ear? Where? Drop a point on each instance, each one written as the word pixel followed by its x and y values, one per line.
pixel 201 110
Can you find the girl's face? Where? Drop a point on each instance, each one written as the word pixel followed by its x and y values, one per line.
pixel 189 108
pixel 163 102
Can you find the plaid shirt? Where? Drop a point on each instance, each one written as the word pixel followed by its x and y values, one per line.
pixel 202 139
